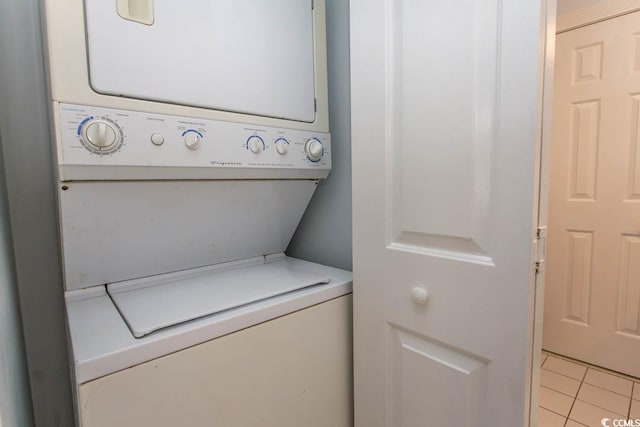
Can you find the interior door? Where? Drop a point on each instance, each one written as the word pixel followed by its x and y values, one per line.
pixel 446 119
pixel 592 301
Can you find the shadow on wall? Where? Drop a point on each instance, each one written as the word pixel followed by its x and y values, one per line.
pixel 32 211
pixel 324 234
pixel 15 401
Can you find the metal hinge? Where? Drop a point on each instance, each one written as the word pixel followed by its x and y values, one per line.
pixel 313 4
pixel 315 105
pixel 540 246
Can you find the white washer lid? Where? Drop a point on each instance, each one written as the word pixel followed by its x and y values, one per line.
pixel 156 302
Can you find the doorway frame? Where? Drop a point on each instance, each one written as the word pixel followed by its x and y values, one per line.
pixel 541 195
pixel 557 24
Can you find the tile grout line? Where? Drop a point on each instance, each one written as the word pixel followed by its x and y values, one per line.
pixel 566 376
pixel 610 391
pixel 606 389
pixel 635 382
pixel 633 390
pixel 602 370
pixel 636 385
pixel 552 411
pixel 558 391
pixel 594 367
pixel 576 398
pixel 599 407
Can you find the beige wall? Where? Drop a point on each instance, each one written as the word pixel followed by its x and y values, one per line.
pixel 565 6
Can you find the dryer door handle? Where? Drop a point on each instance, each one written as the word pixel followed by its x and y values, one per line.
pixel 136 10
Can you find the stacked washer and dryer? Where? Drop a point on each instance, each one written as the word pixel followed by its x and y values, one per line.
pixel 190 137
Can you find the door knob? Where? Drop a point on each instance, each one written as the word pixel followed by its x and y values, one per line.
pixel 419 295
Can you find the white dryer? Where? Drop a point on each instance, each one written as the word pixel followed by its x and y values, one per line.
pixel 190 137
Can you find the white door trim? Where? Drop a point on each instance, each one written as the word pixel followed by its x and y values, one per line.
pixel 536 310
pixel 605 9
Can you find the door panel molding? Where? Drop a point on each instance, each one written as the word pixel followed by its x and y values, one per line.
pixel 449 222
pixel 579 276
pixel 633 191
pixel 629 286
pixel 585 135
pixel 416 362
pixel 588 63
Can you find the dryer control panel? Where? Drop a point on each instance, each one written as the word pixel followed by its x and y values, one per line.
pixel 98 143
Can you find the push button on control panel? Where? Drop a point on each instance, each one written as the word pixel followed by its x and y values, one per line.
pixel 157 139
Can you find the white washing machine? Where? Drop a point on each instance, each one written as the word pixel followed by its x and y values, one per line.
pixel 190 137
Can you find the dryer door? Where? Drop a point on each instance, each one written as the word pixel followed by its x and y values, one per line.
pixel 246 56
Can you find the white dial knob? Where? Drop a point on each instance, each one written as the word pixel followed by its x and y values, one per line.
pixel 314 149
pixel 100 135
pixel 255 145
pixel 192 140
pixel 282 146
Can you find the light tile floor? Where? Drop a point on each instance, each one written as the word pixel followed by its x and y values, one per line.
pixel 575 394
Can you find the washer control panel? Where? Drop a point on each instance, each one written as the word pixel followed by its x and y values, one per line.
pixel 101 137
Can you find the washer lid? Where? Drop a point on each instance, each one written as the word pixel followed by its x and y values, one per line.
pixel 156 302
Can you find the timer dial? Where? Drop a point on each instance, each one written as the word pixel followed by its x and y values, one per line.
pixel 101 136
pixel 314 149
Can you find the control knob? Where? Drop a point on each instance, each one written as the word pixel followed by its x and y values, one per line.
pixel 255 144
pixel 282 146
pixel 100 135
pixel 314 149
pixel 192 140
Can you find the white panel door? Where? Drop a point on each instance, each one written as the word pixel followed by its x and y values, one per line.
pixel 446 118
pixel 592 301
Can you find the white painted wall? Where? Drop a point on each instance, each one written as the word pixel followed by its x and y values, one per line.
pixel 565 6
pixel 324 235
